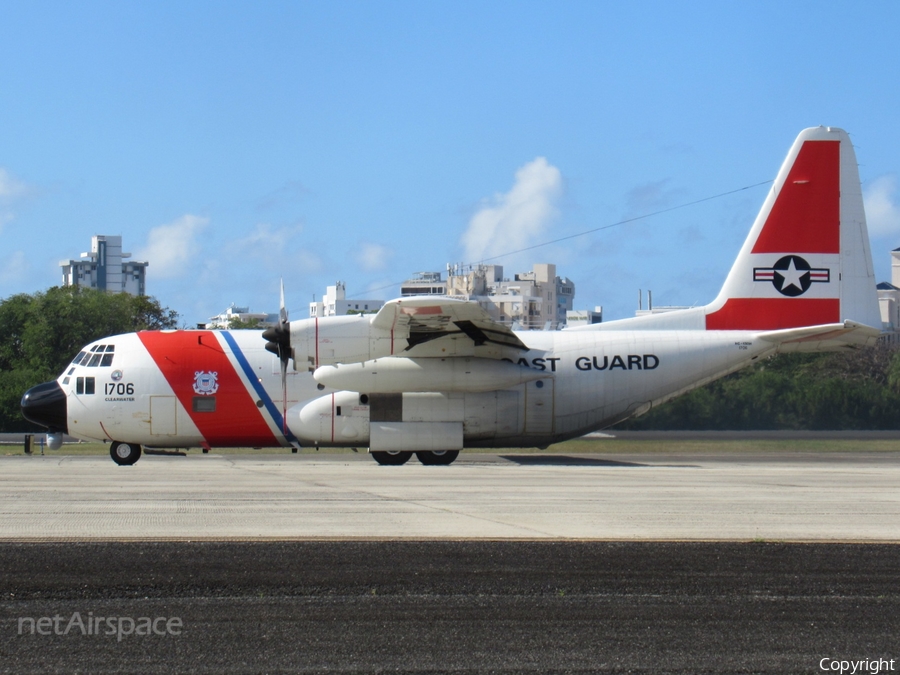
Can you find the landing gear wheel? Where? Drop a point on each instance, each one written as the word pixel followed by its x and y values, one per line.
pixel 437 457
pixel 391 457
pixel 124 454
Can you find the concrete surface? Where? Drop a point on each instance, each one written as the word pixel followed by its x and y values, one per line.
pixel 815 497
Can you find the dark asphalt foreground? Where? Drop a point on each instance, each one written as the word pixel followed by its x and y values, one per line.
pixel 453 606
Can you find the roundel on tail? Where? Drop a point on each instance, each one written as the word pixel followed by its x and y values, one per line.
pixel 806 260
pixel 792 275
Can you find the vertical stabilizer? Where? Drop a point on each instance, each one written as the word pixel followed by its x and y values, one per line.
pixel 806 260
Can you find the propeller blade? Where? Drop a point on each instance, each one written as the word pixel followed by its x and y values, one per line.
pixel 278 341
pixel 282 312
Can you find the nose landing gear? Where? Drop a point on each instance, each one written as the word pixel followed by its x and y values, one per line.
pixel 124 454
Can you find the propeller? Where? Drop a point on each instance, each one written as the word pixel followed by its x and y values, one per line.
pixel 279 343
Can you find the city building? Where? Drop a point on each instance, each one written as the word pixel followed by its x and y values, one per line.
pixel 531 300
pixel 226 319
pixel 584 317
pixel 661 309
pixel 106 269
pixel 335 303
pixel 424 283
pixel 889 296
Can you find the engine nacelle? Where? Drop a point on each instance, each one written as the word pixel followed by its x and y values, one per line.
pixel 338 418
pixel 337 339
pixel 398 374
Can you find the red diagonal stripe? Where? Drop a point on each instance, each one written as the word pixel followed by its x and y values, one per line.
pixel 236 421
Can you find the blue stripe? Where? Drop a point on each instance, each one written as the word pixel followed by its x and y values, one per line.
pixel 270 406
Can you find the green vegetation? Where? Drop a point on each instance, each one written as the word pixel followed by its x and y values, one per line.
pixel 579 446
pixel 237 323
pixel 844 390
pixel 41 333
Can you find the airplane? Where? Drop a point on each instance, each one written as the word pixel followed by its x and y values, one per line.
pixel 431 376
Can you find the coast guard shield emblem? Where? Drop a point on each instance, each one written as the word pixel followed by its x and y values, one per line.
pixel 205 383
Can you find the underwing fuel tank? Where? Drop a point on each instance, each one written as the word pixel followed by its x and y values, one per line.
pixel 391 375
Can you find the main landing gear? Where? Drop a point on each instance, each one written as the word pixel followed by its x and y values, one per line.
pixel 428 458
pixel 124 454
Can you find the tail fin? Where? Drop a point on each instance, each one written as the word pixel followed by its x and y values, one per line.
pixel 806 260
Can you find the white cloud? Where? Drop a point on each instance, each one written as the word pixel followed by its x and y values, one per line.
pixel 265 240
pixel 12 190
pixel 171 249
pixel 14 268
pixel 310 263
pixel 275 249
pixel 882 210
pixel 514 220
pixel 373 257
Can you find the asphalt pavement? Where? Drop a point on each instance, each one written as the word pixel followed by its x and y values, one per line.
pixel 447 607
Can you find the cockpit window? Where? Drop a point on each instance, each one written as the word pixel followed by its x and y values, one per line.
pixel 100 355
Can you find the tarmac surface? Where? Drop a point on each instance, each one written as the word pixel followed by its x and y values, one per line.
pixel 768 496
pixel 507 563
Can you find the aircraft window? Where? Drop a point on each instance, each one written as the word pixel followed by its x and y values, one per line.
pixel 94 348
pixel 107 359
pixel 65 380
pixel 79 358
pixel 84 385
pixel 71 370
pixel 110 348
pixel 95 361
pixel 204 404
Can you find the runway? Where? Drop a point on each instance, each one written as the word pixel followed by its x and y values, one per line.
pixel 514 563
pixel 762 497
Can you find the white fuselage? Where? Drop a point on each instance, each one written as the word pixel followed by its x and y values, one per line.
pixel 222 388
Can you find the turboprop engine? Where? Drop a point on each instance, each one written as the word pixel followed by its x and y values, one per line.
pixel 340 339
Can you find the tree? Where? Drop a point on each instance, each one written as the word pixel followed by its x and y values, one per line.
pixel 842 390
pixel 41 333
pixel 237 323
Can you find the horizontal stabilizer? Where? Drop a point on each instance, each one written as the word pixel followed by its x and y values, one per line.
pixel 847 335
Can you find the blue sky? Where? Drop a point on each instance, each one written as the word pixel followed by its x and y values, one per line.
pixel 233 143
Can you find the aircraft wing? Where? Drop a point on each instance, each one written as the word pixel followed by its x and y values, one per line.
pixel 421 319
pixel 846 335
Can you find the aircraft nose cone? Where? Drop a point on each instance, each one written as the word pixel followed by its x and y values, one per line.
pixel 45 404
